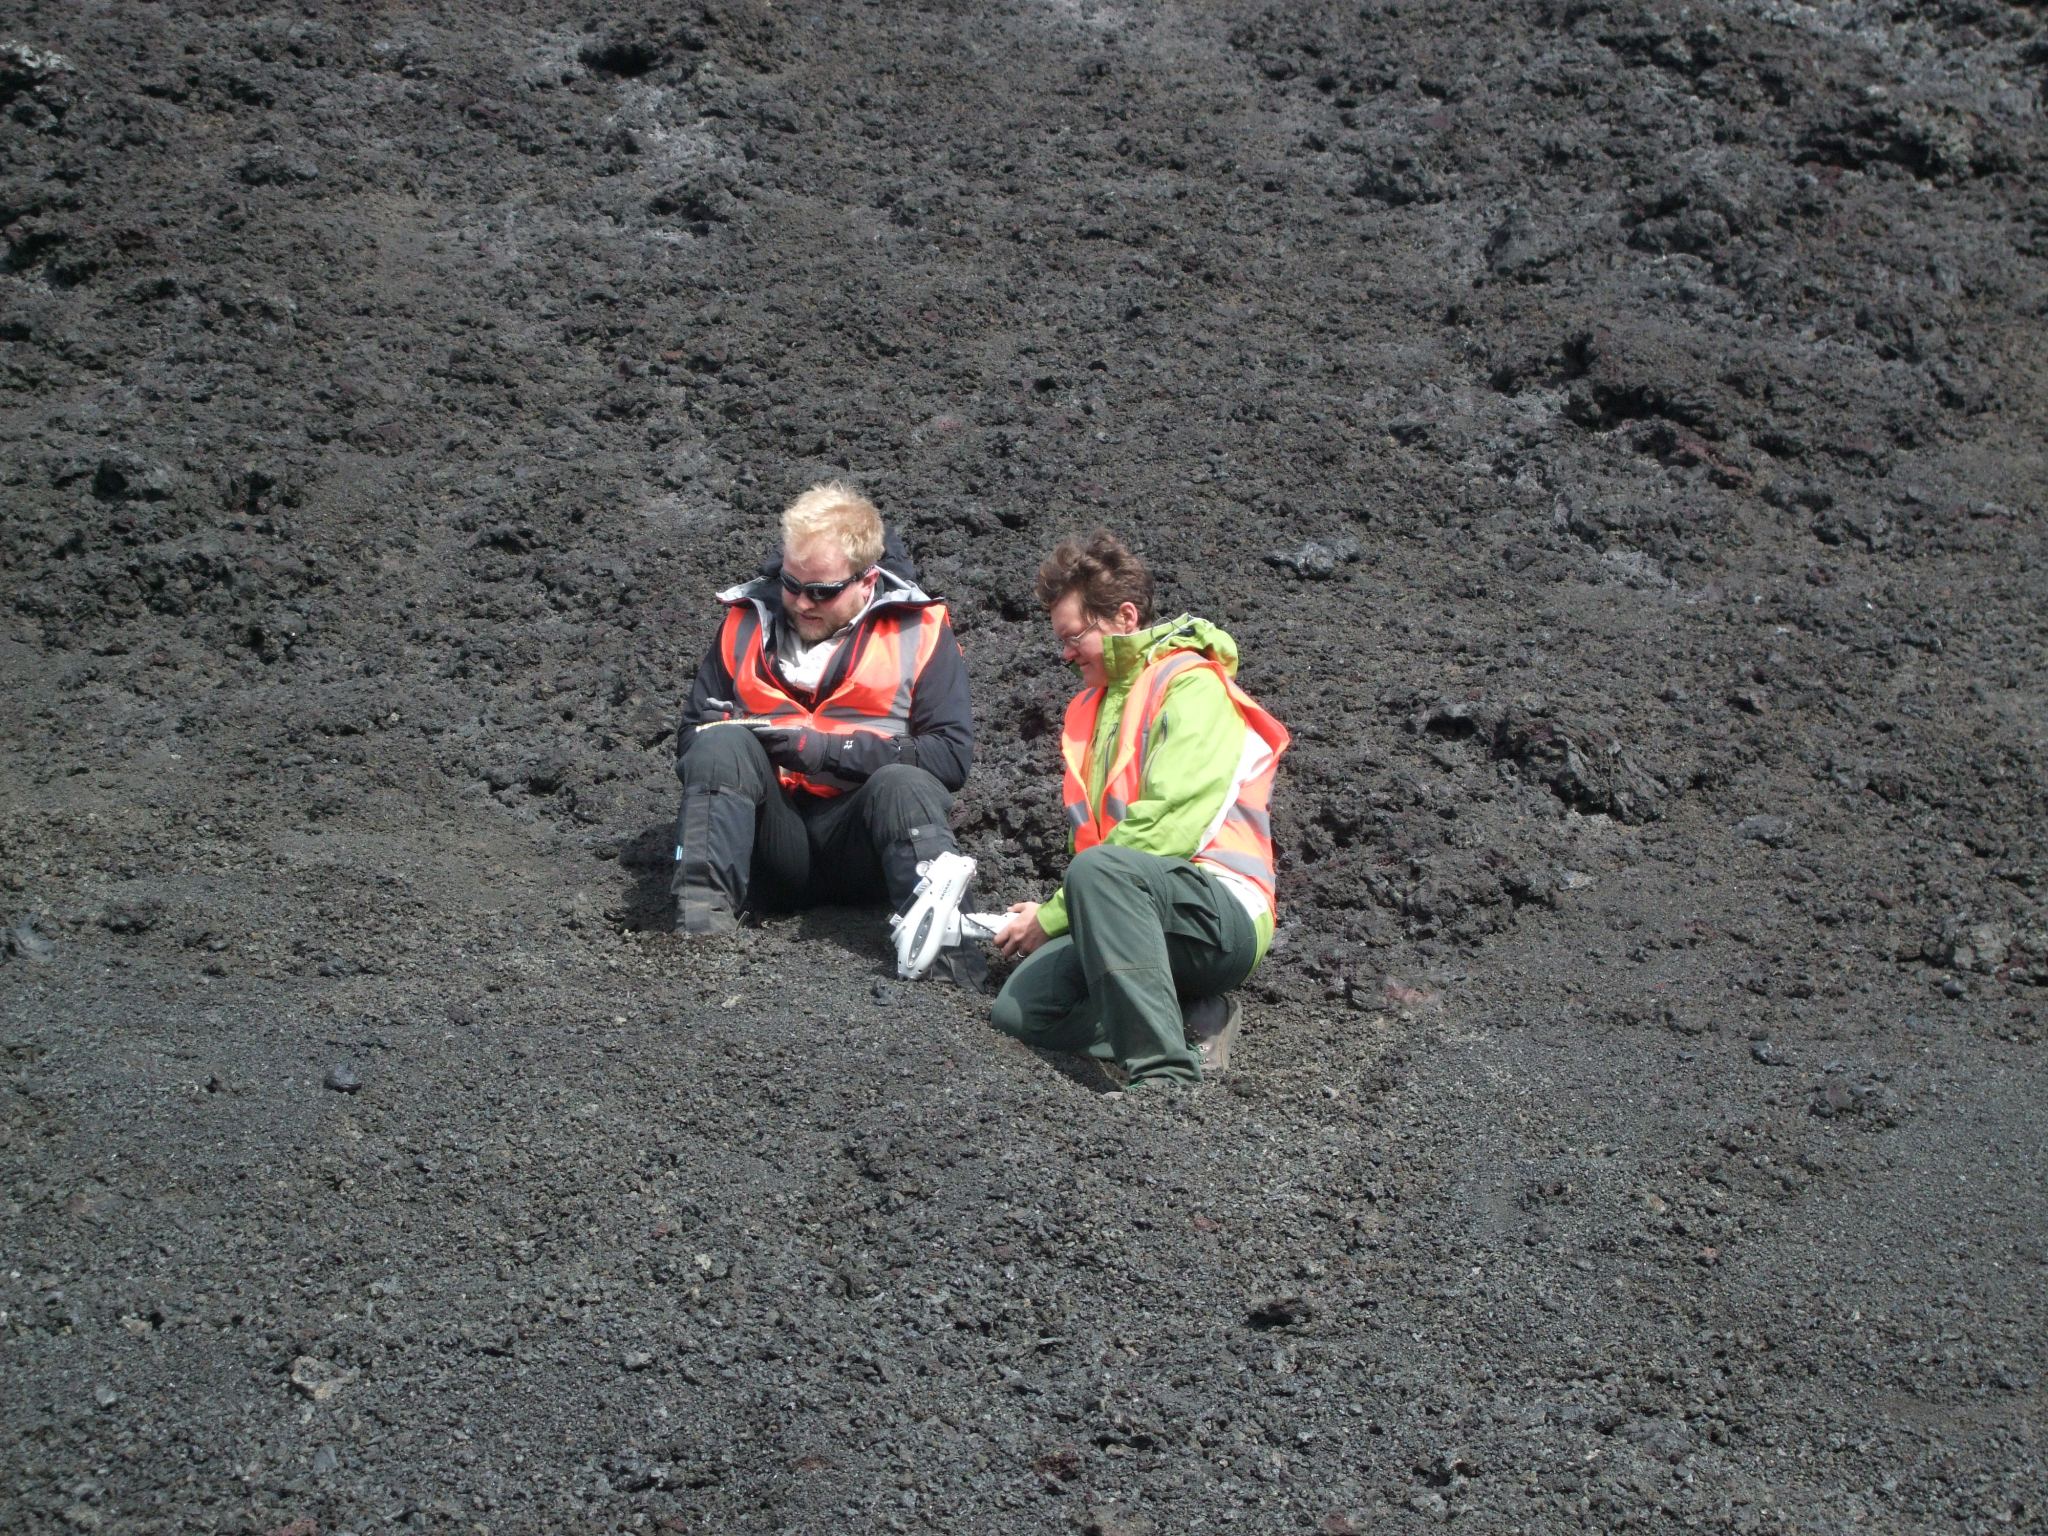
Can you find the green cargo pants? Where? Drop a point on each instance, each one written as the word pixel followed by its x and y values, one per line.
pixel 1146 931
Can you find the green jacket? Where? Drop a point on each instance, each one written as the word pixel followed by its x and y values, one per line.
pixel 1191 754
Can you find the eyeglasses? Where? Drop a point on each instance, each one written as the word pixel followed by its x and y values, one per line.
pixel 819 591
pixel 1062 644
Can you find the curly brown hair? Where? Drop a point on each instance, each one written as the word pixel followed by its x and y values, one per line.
pixel 1103 570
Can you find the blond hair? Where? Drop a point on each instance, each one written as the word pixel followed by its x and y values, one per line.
pixel 835 511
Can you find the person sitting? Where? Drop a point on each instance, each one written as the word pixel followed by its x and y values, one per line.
pixel 826 730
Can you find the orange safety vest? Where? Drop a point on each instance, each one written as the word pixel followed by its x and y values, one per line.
pixel 873 694
pixel 1241 838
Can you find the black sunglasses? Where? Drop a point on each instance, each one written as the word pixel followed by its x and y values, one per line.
pixel 818 591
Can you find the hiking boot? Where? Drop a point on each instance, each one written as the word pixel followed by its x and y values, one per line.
pixel 964 965
pixel 705 915
pixel 1211 1025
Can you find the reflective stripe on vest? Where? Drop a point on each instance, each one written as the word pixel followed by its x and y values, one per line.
pixel 872 697
pixel 1240 839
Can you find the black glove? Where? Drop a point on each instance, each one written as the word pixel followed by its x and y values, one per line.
pixel 800 751
pixel 862 753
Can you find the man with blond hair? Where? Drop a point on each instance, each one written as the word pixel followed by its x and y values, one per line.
pixel 827 729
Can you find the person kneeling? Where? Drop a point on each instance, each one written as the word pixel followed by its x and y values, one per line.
pixel 1167 905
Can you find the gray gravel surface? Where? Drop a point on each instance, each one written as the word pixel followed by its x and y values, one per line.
pixel 1614 433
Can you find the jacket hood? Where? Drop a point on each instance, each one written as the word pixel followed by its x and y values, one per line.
pixel 1124 656
pixel 899 582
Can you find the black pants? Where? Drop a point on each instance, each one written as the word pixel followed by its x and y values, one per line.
pixel 740 838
